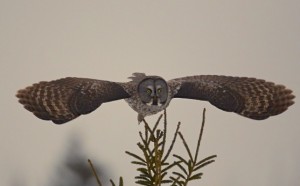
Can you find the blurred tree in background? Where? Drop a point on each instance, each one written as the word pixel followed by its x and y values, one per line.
pixel 75 169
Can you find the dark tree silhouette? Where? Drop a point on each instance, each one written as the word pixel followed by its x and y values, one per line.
pixel 75 169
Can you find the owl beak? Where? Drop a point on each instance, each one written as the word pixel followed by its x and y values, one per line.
pixel 154 100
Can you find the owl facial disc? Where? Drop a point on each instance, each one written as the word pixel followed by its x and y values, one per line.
pixel 153 91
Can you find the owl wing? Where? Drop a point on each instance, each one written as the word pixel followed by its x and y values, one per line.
pixel 249 97
pixel 65 99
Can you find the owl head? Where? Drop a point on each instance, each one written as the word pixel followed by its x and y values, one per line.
pixel 153 91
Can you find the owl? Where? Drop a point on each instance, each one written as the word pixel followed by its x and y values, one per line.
pixel 65 99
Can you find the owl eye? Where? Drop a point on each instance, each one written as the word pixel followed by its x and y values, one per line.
pixel 149 91
pixel 159 90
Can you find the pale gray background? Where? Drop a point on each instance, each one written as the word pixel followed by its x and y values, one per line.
pixel 45 40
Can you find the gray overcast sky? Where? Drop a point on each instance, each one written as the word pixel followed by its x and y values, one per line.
pixel 109 40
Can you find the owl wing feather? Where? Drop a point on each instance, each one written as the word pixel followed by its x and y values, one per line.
pixel 249 97
pixel 65 99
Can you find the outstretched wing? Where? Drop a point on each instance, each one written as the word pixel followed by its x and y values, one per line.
pixel 249 97
pixel 65 99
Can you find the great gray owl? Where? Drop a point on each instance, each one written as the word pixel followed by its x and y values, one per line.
pixel 65 99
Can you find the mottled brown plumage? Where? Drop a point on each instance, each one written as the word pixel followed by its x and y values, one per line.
pixel 65 99
pixel 250 97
